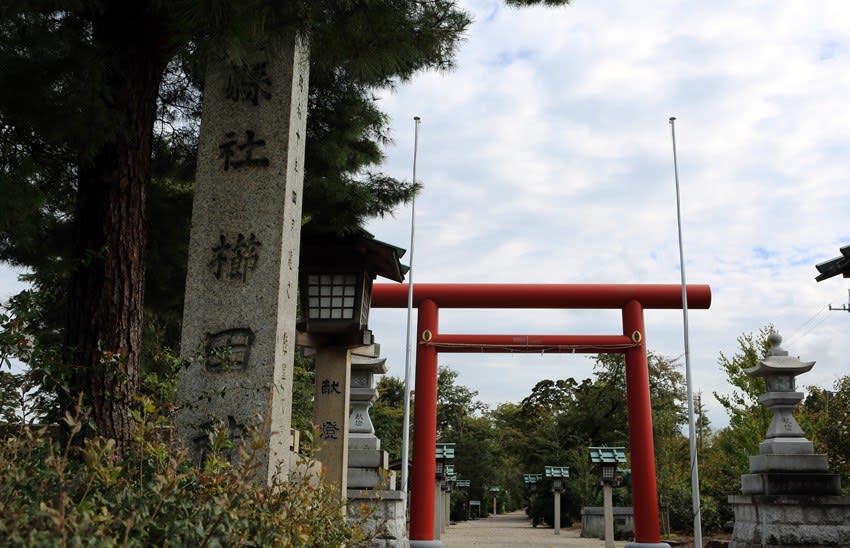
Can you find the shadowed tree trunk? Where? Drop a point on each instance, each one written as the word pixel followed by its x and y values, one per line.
pixel 106 294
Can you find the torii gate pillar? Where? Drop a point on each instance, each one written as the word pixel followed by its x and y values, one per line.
pixel 424 430
pixel 641 443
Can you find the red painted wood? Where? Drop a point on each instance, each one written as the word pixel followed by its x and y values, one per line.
pixel 641 445
pixel 668 296
pixel 547 344
pixel 424 429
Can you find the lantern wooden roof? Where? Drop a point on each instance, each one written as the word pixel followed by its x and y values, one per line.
pixel 836 266
pixel 323 250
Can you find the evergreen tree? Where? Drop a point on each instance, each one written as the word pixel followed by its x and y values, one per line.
pixel 93 89
pixel 748 419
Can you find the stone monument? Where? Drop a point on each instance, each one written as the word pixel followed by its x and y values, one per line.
pixel 242 281
pixel 789 498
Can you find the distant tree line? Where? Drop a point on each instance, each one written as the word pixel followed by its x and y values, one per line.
pixel 560 419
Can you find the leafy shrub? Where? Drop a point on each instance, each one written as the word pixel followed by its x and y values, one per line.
pixel 91 495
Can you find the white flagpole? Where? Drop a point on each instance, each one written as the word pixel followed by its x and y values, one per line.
pixel 691 422
pixel 405 433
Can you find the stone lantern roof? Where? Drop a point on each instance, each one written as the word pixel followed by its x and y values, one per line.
pixel 778 362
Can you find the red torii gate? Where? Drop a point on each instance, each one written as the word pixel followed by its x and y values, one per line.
pixel 630 298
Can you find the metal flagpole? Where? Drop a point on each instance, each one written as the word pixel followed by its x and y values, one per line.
pixel 405 433
pixel 691 421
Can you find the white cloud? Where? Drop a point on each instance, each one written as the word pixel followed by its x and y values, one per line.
pixel 547 158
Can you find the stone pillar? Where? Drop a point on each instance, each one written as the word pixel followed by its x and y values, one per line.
pixel 438 515
pixel 608 510
pixel 448 509
pixel 242 278
pixel 789 498
pixel 557 497
pixel 330 413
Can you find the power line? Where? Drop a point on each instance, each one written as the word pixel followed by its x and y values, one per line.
pixel 796 335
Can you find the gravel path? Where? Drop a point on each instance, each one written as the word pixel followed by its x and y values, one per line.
pixel 513 530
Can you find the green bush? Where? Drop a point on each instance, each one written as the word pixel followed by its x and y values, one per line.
pixel 88 494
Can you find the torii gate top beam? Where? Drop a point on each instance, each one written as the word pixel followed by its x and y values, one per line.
pixel 650 296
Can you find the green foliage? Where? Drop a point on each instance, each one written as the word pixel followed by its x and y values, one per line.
pixel 27 395
pixel 826 414
pixel 726 454
pixel 556 423
pixel 388 415
pixel 153 496
pixel 748 419
pixel 454 402
pixel 303 387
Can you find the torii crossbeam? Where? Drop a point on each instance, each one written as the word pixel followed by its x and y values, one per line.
pixel 631 299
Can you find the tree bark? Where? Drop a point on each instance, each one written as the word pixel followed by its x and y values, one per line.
pixel 106 294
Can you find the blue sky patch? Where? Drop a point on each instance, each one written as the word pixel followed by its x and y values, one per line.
pixel 763 253
pixel 829 49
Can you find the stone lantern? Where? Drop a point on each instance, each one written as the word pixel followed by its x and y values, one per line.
pixel 557 474
pixel 335 279
pixel 785 447
pixel 789 498
pixel 607 459
pixel 444 453
pixel 335 287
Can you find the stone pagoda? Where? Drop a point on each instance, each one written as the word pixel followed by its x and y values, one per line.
pixel 789 498
pixel 369 480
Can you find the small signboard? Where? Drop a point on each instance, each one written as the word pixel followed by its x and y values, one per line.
pixel 475 503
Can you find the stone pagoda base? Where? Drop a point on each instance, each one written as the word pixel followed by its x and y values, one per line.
pixel 387 521
pixel 780 521
pixel 368 464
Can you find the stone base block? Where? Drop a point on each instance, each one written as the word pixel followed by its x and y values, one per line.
pixel 787 483
pixel 387 521
pixel 593 521
pixel 786 446
pixel 370 478
pixel 360 442
pixel 765 521
pixel 426 544
pixel 368 458
pixel 788 463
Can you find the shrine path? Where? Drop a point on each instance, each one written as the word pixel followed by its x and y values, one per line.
pixel 513 530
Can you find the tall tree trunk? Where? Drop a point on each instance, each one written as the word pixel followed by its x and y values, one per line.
pixel 106 295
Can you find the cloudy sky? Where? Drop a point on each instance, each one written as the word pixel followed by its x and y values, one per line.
pixel 547 158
